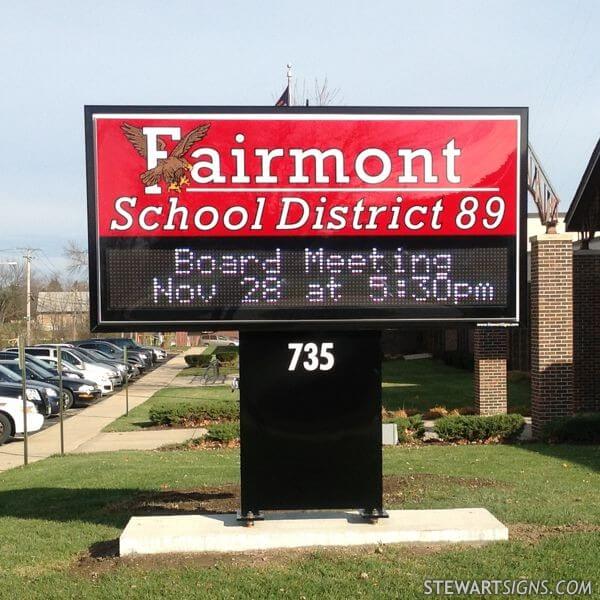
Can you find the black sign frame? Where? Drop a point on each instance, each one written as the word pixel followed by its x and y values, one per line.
pixel 157 319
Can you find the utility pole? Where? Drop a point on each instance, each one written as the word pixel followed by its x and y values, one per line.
pixel 28 272
pixel 28 257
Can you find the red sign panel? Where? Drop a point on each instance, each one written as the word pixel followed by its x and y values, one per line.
pixel 306 175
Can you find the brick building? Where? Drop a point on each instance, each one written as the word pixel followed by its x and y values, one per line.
pixel 583 217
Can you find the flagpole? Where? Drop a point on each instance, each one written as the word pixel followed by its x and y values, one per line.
pixel 289 79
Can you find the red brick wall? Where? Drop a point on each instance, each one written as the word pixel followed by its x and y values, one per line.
pixel 586 330
pixel 491 349
pixel 551 328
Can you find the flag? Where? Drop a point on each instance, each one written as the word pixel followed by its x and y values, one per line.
pixel 284 99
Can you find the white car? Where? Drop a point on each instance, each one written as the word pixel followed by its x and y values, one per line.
pixel 105 377
pixel 213 339
pixel 72 372
pixel 11 418
pixel 159 353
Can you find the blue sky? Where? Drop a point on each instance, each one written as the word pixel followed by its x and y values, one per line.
pixel 58 56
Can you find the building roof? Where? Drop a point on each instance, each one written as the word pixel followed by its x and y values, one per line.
pixel 584 213
pixel 62 302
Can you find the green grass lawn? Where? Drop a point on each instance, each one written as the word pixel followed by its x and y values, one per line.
pixel 54 512
pixel 421 384
pixel 138 417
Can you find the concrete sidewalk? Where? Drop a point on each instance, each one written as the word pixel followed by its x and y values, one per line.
pixel 83 427
pixel 149 439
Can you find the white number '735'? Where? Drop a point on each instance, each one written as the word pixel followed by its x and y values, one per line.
pixel 318 356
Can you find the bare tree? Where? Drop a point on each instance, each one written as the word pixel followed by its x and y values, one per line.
pixel 320 93
pixel 77 257
pixel 323 94
pixel 53 283
pixel 13 301
pixel 12 292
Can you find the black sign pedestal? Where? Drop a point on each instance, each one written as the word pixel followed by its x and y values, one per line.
pixel 310 412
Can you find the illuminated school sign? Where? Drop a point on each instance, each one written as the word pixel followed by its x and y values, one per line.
pixel 232 216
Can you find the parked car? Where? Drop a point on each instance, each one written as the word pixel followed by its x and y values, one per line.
pixel 134 361
pixel 134 365
pixel 115 352
pixel 48 365
pixel 104 376
pixel 131 369
pixel 67 369
pixel 213 339
pixel 14 389
pixel 158 353
pixel 74 355
pixel 74 390
pixel 51 391
pixel 119 367
pixel 11 418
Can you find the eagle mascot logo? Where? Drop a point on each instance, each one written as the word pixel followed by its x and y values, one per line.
pixel 172 169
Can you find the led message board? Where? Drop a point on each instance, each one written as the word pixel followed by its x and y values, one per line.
pixel 224 217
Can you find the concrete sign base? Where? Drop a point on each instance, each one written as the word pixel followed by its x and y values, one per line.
pixel 223 533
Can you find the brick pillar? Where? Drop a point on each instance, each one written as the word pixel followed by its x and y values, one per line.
pixel 490 350
pixel 586 330
pixel 551 328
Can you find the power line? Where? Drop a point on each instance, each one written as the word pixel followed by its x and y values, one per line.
pixel 52 266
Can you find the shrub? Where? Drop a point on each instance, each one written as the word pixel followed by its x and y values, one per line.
pixel 478 428
pixel 578 429
pixel 409 428
pixel 186 412
pixel 467 410
pixel 436 412
pixel 224 432
pixel 417 425
pixel 197 360
pixel 227 356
